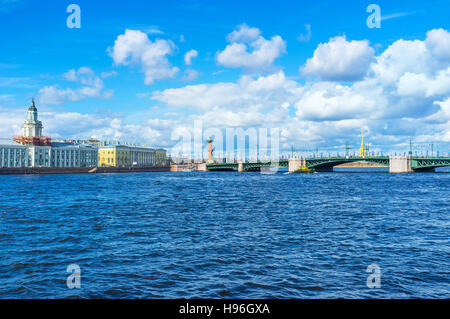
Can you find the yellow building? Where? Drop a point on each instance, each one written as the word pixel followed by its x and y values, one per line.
pixel 128 156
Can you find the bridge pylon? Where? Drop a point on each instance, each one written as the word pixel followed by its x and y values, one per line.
pixel 296 163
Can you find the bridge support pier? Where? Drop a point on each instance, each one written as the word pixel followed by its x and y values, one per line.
pixel 202 167
pixel 296 163
pixel 400 164
pixel 241 167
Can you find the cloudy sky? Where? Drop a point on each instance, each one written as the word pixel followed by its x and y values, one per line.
pixel 144 71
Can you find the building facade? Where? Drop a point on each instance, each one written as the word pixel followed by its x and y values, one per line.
pixel 13 154
pixel 39 151
pixel 34 150
pixel 74 156
pixel 128 156
pixel 62 156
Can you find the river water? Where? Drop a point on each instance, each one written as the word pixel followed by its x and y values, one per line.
pixel 225 235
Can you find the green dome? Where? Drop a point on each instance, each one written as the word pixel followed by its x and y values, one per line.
pixel 32 106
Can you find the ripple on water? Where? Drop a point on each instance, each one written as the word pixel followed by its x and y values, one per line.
pixel 225 235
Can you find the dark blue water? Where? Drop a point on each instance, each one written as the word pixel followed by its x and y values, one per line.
pixel 224 234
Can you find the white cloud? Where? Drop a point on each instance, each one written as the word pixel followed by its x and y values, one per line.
pixel 261 55
pixel 305 37
pixel 438 42
pixel 108 74
pixel 143 95
pixel 17 82
pixel 134 48
pixel 263 91
pixel 443 114
pixel 4 97
pixel 105 126
pixel 190 75
pixel 153 30
pixel 71 75
pixel 395 15
pixel 416 69
pixel 399 58
pixel 401 93
pixel 330 101
pixel 422 85
pixel 189 56
pixel 244 34
pixel 49 95
pixel 252 116
pixel 339 60
pixel 92 86
pixel 403 82
pixel 12 121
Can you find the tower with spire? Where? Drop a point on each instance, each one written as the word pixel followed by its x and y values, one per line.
pixel 32 127
pixel 362 149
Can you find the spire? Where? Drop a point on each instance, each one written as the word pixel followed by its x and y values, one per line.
pixel 362 148
pixel 32 106
pixel 32 126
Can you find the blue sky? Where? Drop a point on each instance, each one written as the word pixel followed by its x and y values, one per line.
pixel 95 81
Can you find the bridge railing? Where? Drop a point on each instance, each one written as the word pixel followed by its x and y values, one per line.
pixel 352 157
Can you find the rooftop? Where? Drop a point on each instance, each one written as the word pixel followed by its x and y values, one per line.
pixel 124 146
pixel 9 142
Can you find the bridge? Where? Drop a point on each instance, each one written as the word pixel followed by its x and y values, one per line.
pixel 396 164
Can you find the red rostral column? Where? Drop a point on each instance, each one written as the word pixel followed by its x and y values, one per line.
pixel 210 150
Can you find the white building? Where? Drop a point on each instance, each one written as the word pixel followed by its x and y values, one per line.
pixel 62 156
pixel 13 154
pixel 73 156
pixel 39 156
pixel 38 151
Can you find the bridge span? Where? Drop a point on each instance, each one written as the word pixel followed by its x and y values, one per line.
pixel 396 164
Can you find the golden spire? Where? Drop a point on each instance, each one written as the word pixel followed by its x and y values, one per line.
pixel 361 149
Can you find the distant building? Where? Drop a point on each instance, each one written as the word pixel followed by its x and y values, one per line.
pixel 13 154
pixel 62 156
pixel 32 130
pixel 127 156
pixel 41 152
pixel 34 150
